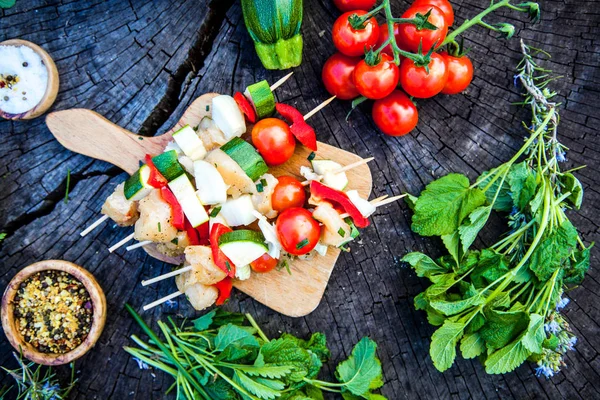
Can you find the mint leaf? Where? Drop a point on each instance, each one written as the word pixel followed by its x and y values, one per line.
pixel 552 251
pixel 504 201
pixel 411 200
pixel 472 345
pixel 444 204
pixel 204 322
pixel 522 184
pixel 450 308
pixel 361 372
pixel 572 184
pixel 260 387
pixel 443 344
pixel 219 389
pixel 576 269
pixel 452 243
pixel 288 352
pixel 441 284
pixel 502 327
pixel 423 265
pixel 535 335
pixel 7 3
pixel 490 267
pixel 236 343
pixel 469 230
pixel 507 358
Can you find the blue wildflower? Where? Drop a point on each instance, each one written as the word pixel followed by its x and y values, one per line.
pixel 562 303
pixel 572 342
pixel 560 156
pixel 517 80
pixel 544 370
pixel 141 364
pixel 171 303
pixel 552 327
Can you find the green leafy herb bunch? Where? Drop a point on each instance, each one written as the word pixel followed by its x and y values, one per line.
pixel 224 355
pixel 502 303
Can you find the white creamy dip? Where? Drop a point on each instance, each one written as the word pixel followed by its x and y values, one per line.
pixel 29 79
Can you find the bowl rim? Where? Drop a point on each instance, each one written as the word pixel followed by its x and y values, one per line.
pixel 51 88
pixel 98 317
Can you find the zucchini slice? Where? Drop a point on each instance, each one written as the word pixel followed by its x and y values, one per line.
pixel 168 165
pixel 190 203
pixel 246 156
pixel 242 246
pixel 261 97
pixel 190 143
pixel 136 186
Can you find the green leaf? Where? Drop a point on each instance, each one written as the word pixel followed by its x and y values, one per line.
pixel 288 352
pixel 362 370
pixel 411 201
pixel 504 200
pixel 469 230
pixel 491 266
pixel 434 317
pixel 421 301
pixel 535 335
pixel 502 327
pixel 236 343
pixel 476 323
pixel 316 344
pixel 537 201
pixel 260 387
pixel 572 184
pixel 576 269
pixel 522 184
pixel 441 284
pixel 507 358
pixel 553 250
pixel 423 265
pixel 551 342
pixel 472 345
pixel 7 3
pixel 452 243
pixel 444 204
pixel 219 389
pixel 450 308
pixel 204 322
pixel 443 344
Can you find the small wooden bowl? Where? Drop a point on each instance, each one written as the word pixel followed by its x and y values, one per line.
pixel 98 316
pixel 51 89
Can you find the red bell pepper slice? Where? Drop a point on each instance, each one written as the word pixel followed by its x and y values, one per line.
pixel 203 234
pixel 192 233
pixel 245 106
pixel 324 192
pixel 177 216
pixel 219 258
pixel 299 128
pixel 224 287
pixel 156 179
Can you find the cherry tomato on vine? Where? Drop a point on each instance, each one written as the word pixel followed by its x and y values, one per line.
pixel 410 36
pixel 350 41
pixel 417 82
pixel 396 114
pixel 288 193
pixel 351 5
pixel 264 263
pixel 384 34
pixel 460 73
pixel 443 5
pixel 376 81
pixel 297 230
pixel 337 76
pixel 273 140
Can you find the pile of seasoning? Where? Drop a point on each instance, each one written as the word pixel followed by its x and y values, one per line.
pixel 53 311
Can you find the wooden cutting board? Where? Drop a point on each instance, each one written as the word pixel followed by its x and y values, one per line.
pixel 86 132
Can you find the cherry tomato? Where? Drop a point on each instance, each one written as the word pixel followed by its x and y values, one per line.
pixel 376 81
pixel 337 76
pixel 297 230
pixel 384 34
pixel 410 36
pixel 350 5
pixel 460 73
pixel 288 193
pixel 417 82
pixel 353 42
pixel 443 5
pixel 273 140
pixel 396 114
pixel 264 263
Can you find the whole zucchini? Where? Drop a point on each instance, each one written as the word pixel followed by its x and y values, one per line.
pixel 274 26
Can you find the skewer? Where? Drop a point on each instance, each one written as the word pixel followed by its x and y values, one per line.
pixel 94 225
pixel 163 300
pixel 318 108
pixel 138 244
pixel 121 243
pixel 280 82
pixel 167 275
pixel 346 168
pixel 377 203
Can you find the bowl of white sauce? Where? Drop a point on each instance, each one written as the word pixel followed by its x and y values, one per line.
pixel 28 80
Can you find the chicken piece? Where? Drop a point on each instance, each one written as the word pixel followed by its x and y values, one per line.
pixel 204 270
pixel 233 175
pixel 176 247
pixel 154 223
pixel 262 200
pixel 124 212
pixel 334 225
pixel 200 296
pixel 211 135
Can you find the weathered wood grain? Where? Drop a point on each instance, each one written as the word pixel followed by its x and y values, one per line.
pixel 141 63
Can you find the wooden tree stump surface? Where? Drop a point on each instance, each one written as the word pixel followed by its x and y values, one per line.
pixel 141 63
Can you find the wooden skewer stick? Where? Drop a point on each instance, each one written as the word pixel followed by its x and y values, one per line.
pixel 138 244
pixel 94 225
pixel 347 167
pixel 163 300
pixel 280 82
pixel 167 275
pixel 318 108
pixel 377 202
pixel 121 243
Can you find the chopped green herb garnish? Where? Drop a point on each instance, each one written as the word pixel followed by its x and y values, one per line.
pixel 207 107
pixel 68 184
pixel 175 241
pixel 287 267
pixel 264 182
pixel 311 156
pixel 302 244
pixel 260 188
pixel 140 138
pixel 341 232
pixel 159 227
pixel 215 211
pixel 228 265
